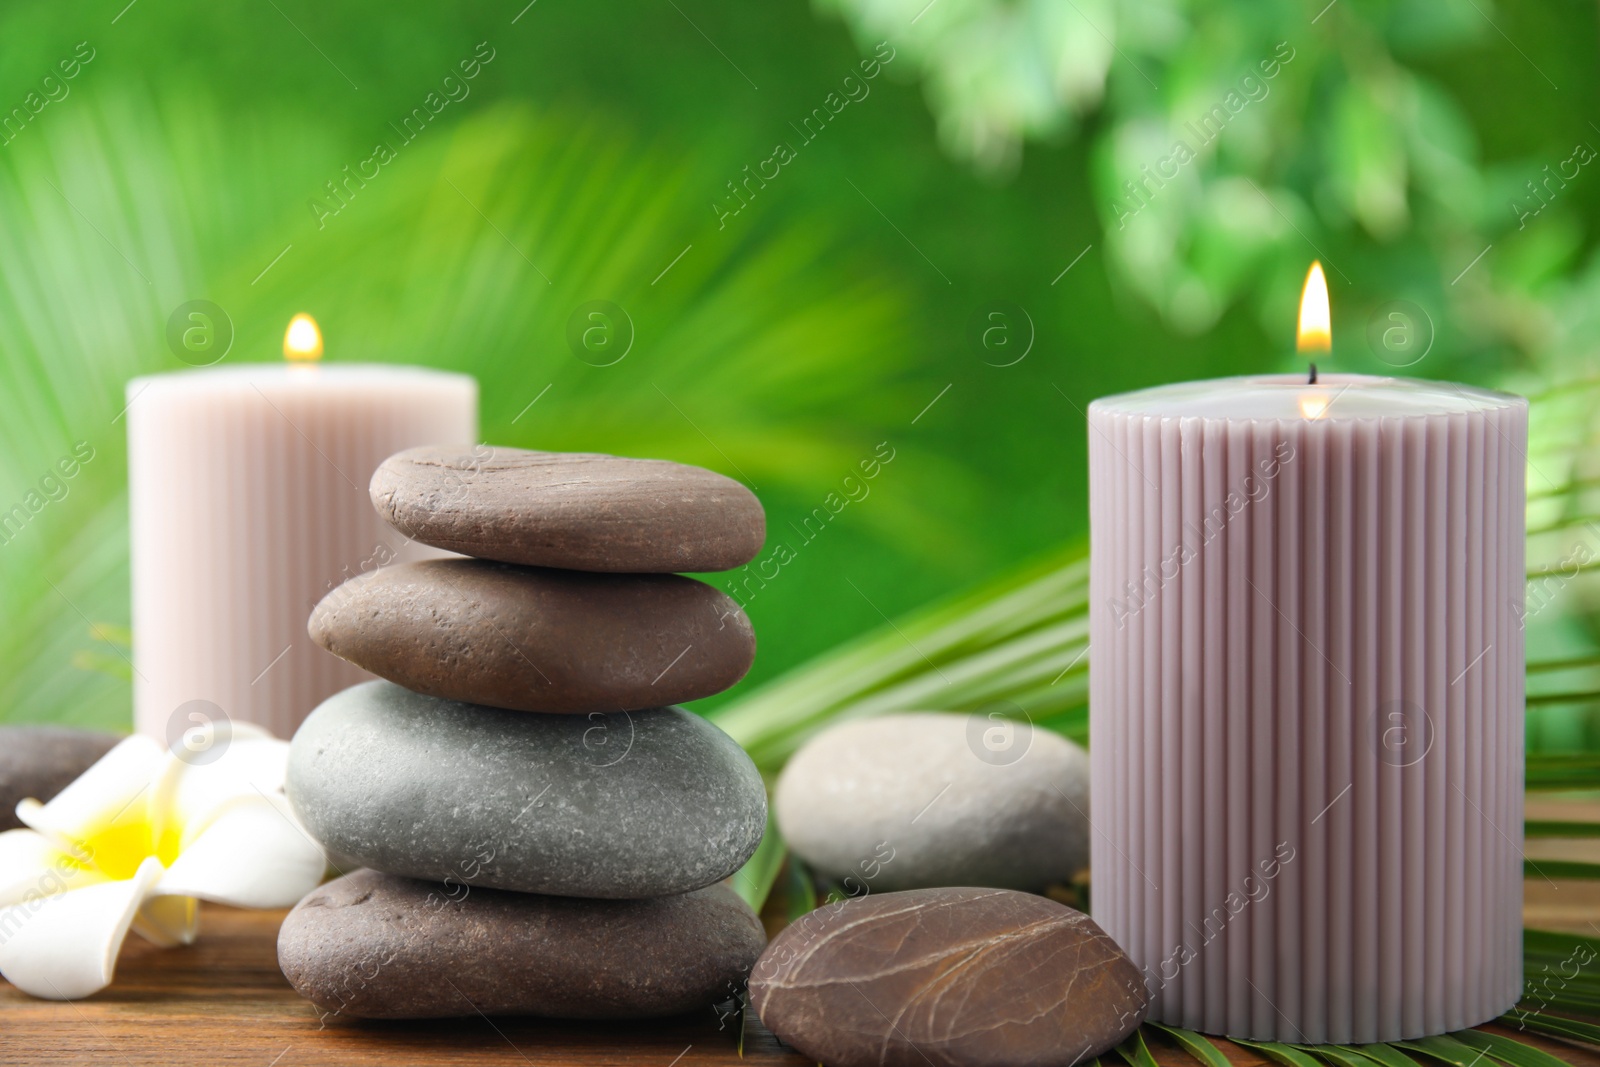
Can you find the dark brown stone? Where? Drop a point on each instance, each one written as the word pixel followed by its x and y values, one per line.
pixel 577 511
pixel 379 946
pixel 533 639
pixel 41 761
pixel 948 978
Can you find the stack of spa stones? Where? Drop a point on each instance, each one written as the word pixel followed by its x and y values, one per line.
pixel 544 834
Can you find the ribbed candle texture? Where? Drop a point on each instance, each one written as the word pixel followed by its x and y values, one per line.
pixel 248 499
pixel 1306 703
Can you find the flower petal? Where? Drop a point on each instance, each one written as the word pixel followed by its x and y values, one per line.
pixel 249 762
pixel 115 792
pixel 254 854
pixel 168 922
pixel 65 946
pixel 32 865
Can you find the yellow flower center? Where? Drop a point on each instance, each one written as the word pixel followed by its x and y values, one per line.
pixel 119 846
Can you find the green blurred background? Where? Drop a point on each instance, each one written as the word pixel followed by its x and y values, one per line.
pixel 980 172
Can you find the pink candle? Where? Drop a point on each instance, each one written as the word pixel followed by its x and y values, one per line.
pixel 1306 702
pixel 248 492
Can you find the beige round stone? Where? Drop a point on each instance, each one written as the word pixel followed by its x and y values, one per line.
pixel 924 799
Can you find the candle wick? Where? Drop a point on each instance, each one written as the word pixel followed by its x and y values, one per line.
pixel 1313 379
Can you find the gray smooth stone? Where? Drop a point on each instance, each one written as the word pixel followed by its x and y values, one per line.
pixel 627 805
pixel 379 946
pixel 41 761
pixel 575 510
pixel 923 799
pixel 535 639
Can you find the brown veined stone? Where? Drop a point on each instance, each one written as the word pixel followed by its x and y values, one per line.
pixel 948 978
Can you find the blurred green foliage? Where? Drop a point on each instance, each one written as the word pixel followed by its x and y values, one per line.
pixel 789 339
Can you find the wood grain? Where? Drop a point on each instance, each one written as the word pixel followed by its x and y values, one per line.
pixel 223 1001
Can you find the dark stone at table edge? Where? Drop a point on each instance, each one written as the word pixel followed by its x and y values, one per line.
pixel 72 750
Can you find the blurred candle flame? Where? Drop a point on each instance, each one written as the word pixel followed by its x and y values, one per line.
pixel 1313 407
pixel 1316 322
pixel 302 341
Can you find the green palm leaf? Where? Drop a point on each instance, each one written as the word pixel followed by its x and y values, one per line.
pixel 1135 1052
pixel 1560 869
pixel 1559 828
pixel 471 251
pixel 755 879
pixel 1197 1045
pixel 1506 1049
pixel 1019 646
pixel 1444 1049
pixel 1556 1026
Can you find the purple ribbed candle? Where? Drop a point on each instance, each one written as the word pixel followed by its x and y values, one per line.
pixel 247 489
pixel 1306 702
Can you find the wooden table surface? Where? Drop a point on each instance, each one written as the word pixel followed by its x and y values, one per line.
pixel 223 1001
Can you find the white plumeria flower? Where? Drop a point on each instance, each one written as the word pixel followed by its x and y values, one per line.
pixel 136 843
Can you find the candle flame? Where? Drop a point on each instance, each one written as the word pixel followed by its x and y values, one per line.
pixel 302 341
pixel 1316 322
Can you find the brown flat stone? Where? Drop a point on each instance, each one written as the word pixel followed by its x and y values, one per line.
pixel 948 978
pixel 534 639
pixel 379 946
pixel 577 511
pixel 41 761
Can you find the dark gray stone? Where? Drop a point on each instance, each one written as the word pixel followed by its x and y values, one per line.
pixel 578 511
pixel 379 946
pixel 948 978
pixel 41 761
pixel 534 639
pixel 627 805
